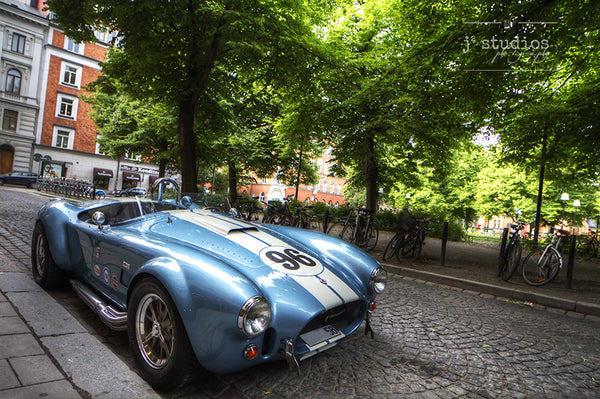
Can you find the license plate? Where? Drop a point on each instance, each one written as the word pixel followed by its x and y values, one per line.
pixel 319 335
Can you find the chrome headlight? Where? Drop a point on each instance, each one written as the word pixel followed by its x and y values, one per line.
pixel 378 280
pixel 254 316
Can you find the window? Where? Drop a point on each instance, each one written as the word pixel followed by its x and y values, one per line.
pixel 71 45
pixel 70 74
pixel 18 43
pixel 100 35
pixel 9 120
pixel 13 82
pixel 63 138
pixel 66 106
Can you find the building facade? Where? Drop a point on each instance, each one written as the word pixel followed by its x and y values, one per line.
pixel 329 189
pixel 23 33
pixel 46 126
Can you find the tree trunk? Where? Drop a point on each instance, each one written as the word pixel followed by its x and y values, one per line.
pixel 162 167
pixel 371 176
pixel 232 180
pixel 187 146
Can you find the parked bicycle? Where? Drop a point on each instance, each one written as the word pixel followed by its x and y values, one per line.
pixel 541 266
pixel 409 238
pixel 510 252
pixel 588 245
pixel 359 228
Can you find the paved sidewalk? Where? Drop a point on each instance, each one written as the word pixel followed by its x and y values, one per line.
pixel 45 352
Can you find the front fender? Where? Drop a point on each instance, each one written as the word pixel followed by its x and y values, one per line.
pixel 208 295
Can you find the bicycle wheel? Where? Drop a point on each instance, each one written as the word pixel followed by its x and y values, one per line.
pixel 347 232
pixel 371 236
pixel 408 246
pixel 393 247
pixel 334 229
pixel 541 266
pixel 513 258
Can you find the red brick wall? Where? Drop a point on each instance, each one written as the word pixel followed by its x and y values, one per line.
pixel 85 129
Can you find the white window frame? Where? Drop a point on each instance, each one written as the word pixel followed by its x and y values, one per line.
pixel 70 140
pixel 59 102
pixel 78 73
pixel 72 46
pixel 16 38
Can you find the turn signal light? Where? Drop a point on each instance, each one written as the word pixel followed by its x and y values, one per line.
pixel 372 306
pixel 250 352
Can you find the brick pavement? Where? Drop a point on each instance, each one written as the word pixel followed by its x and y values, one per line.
pixel 432 341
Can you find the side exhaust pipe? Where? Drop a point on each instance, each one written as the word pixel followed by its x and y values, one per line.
pixel 114 319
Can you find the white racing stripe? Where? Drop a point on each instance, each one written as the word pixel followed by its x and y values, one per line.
pixel 309 272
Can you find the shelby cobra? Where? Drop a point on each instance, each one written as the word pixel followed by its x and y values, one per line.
pixel 196 287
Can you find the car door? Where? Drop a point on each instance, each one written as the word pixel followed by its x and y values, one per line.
pixel 110 257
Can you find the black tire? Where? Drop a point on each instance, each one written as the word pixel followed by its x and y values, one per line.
pixel 334 229
pixel 393 247
pixel 157 337
pixel 539 268
pixel 45 272
pixel 371 236
pixel 347 232
pixel 511 263
pixel 408 245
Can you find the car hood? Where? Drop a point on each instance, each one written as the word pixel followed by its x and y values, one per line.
pixel 274 262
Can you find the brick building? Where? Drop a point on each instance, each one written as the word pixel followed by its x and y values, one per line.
pixel 53 134
pixel 329 189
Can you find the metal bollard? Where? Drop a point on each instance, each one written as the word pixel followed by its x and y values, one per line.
pixel 571 260
pixel 501 259
pixel 444 241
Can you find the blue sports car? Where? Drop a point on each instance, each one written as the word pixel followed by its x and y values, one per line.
pixel 196 286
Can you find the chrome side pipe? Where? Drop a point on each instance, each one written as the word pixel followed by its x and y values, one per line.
pixel 114 319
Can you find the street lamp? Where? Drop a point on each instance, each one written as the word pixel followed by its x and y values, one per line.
pixel 564 198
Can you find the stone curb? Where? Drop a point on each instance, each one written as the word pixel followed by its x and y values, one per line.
pixel 91 366
pixel 495 290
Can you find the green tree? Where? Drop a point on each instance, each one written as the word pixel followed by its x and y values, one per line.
pixel 135 127
pixel 190 53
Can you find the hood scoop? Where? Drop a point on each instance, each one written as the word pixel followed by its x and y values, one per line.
pixel 213 221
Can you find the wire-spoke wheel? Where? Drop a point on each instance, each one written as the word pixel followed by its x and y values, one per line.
pixel 512 261
pixel 541 266
pixel 392 249
pixel 371 236
pixel 157 337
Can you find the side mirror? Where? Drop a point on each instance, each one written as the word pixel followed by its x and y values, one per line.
pixel 98 218
pixel 186 201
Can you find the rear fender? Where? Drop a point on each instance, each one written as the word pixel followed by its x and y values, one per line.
pixel 63 242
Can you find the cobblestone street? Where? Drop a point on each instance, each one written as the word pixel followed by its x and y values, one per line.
pixel 430 341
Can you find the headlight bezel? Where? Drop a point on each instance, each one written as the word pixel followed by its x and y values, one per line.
pixel 250 314
pixel 378 280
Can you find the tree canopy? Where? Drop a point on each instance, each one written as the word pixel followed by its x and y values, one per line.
pixel 398 88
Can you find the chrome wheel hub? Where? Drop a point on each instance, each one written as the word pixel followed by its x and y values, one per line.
pixel 154 331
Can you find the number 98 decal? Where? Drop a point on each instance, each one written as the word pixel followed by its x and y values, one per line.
pixel 291 261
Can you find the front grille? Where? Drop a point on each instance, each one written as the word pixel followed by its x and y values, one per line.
pixel 339 317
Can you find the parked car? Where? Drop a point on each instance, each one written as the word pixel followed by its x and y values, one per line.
pixel 197 286
pixel 21 178
pixel 132 192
